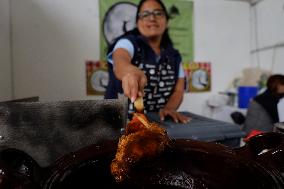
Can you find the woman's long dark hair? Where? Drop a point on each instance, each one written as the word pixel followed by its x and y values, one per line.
pixel 158 1
pixel 166 40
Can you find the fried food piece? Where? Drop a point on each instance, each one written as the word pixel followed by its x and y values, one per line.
pixel 139 105
pixel 142 140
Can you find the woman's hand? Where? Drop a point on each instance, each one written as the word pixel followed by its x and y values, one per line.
pixel 133 79
pixel 176 116
pixel 133 83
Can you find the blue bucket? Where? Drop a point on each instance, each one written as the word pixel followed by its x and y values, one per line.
pixel 245 94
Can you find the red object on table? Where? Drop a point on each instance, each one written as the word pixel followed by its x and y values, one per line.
pixel 252 134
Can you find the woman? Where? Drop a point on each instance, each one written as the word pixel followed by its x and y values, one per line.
pixel 144 63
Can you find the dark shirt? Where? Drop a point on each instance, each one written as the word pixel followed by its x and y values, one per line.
pixel 269 102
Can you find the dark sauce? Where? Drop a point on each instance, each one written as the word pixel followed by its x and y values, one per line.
pixel 177 167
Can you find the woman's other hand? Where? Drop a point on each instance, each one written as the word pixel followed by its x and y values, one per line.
pixel 176 116
pixel 173 104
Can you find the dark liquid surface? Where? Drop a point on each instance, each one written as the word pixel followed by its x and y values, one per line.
pixel 175 168
pixel 186 164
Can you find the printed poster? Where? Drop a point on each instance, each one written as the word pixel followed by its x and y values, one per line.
pixel 96 77
pixel 198 76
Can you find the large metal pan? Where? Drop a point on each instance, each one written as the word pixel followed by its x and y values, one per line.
pixel 188 164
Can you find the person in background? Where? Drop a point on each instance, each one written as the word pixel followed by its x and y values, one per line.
pixel 262 112
pixel 143 62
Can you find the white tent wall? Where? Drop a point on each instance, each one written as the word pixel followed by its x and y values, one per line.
pixel 267 44
pixel 222 35
pixel 53 39
pixel 5 62
pixel 266 50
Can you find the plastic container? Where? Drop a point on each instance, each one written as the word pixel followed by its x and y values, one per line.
pixel 245 94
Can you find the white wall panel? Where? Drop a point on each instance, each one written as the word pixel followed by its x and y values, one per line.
pixel 5 62
pixel 268 16
pixel 222 36
pixel 52 40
